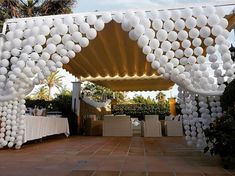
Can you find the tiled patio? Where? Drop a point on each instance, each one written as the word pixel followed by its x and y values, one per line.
pixel 109 156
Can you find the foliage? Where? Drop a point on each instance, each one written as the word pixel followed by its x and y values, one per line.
pixel 139 110
pixel 64 91
pixel 228 97
pixel 139 99
pixel 221 134
pixel 40 93
pixel 221 138
pixel 100 93
pixel 53 80
pixel 160 96
pixel 28 8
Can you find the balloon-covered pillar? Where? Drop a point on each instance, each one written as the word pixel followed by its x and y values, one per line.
pixel 198 113
pixel 175 42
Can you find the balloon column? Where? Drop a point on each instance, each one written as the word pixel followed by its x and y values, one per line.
pixel 175 42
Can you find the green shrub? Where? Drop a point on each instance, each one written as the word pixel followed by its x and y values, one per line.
pixel 139 110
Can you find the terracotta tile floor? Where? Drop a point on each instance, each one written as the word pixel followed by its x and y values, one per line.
pixel 109 156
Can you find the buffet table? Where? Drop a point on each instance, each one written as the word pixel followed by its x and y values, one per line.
pixel 37 127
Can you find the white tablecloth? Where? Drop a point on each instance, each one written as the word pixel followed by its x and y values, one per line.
pixel 37 127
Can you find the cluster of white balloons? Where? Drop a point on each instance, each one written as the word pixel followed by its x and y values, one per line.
pixel 12 123
pixel 196 120
pixel 35 48
pixel 171 39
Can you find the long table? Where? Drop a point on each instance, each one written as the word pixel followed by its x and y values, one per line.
pixel 37 127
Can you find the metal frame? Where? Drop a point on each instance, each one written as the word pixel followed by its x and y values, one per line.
pixel 191 5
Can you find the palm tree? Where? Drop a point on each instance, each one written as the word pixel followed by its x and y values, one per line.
pixel 29 8
pixel 40 93
pixel 53 80
pixel 160 96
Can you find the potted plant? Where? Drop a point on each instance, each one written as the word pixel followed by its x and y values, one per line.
pixel 221 139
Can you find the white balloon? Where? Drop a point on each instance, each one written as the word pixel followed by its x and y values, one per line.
pixel 162 35
pixel 62 29
pixel 76 36
pixel 139 30
pixel 56 39
pixel 145 22
pixel 197 42
pixel 154 14
pixel 201 59
pixel 175 62
pixel 155 64
pixel 38 48
pixel 168 25
pixel 17 43
pixel 172 36
pixel 175 45
pixel 208 10
pixel 154 43
pixel 65 60
pixel 193 33
pixel 210 50
pixel 190 22
pixel 187 12
pixel 146 50
pixel 83 42
pixel 66 38
pixel 179 53
pixel 132 35
pixel 205 32
pixel 40 39
pixel 150 57
pixel 143 41
pixel 79 19
pixel 44 30
pixel 201 21
pixel 182 35
pixel 106 17
pixel 71 54
pixel 165 15
pixel 117 17
pixel 158 52
pixel 91 34
pixel 192 60
pixel 51 48
pixel 198 51
pixel 213 20
pixel 157 24
pixel 179 24
pixel 166 46
pixel 170 54
pixel 48 22
pixel 150 33
pixel 208 41
pixel 186 44
pixel 175 14
pixel 73 28
pixel 223 23
pixel 134 20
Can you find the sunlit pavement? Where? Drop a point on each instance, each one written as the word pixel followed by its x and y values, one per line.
pixel 109 156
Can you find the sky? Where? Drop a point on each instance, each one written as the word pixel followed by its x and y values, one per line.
pixel 113 5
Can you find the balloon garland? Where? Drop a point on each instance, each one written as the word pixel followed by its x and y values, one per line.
pixel 172 41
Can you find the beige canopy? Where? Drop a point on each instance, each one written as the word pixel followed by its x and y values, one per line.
pixel 114 61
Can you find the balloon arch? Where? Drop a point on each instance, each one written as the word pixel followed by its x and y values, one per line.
pixel 176 43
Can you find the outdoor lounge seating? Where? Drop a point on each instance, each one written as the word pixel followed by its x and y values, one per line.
pixel 174 127
pixel 117 126
pixel 151 127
